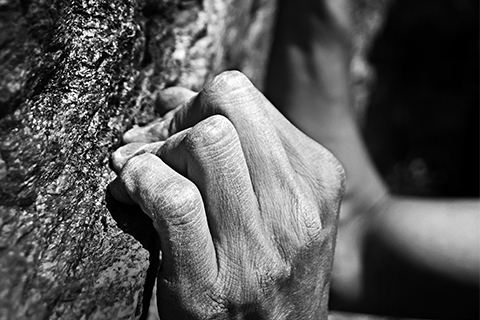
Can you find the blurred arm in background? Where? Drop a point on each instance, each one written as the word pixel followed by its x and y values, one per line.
pixel 395 255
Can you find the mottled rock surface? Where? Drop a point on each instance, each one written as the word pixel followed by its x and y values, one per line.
pixel 74 75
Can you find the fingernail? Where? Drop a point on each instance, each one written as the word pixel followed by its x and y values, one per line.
pixel 172 97
pixel 136 134
pixel 130 148
pixel 123 154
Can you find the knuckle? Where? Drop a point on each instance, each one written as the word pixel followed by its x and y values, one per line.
pixel 229 93
pixel 227 81
pixel 333 174
pixel 309 223
pixel 215 132
pixel 136 170
pixel 160 193
pixel 178 198
pixel 313 227
pixel 278 274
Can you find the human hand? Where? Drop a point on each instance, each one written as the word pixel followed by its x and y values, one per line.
pixel 244 203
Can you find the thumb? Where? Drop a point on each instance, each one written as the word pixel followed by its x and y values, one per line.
pixel 167 101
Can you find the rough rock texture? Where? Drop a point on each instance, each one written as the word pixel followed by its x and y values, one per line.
pixel 73 76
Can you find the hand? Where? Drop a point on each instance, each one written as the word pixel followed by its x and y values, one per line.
pixel 245 206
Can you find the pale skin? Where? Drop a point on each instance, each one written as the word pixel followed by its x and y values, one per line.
pixel 309 84
pixel 244 203
pixel 146 177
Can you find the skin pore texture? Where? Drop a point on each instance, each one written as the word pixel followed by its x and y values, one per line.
pixel 247 219
pixel 246 205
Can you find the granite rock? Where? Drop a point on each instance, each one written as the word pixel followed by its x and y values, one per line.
pixel 74 75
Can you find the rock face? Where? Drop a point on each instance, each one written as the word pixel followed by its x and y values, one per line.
pixel 74 75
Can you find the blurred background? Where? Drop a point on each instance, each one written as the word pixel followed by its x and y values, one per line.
pixel 422 121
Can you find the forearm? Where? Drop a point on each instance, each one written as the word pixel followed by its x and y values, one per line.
pixel 310 60
pixel 439 235
pixel 410 258
pixel 309 82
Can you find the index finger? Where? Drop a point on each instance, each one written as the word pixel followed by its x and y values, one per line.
pixel 176 207
pixel 233 96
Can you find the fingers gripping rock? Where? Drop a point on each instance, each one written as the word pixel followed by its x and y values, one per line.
pixel 168 101
pixel 225 84
pixel 245 205
pixel 176 208
pixel 210 155
pixel 170 98
pixel 124 153
pixel 159 190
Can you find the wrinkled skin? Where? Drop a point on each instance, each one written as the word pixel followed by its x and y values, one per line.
pixel 244 203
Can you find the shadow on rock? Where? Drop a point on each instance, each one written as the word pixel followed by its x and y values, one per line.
pixel 132 220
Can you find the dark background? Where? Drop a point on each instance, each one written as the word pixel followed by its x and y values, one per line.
pixel 422 124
